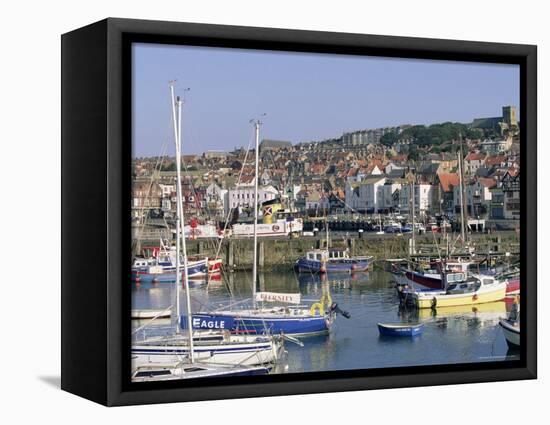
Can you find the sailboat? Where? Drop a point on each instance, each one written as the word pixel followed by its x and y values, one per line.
pixel 290 319
pixel 162 268
pixel 151 356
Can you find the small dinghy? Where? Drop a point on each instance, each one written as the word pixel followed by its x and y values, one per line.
pixel 400 329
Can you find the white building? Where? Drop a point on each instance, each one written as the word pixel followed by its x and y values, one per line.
pixel 473 162
pixel 388 195
pixel 216 198
pixel 423 198
pixel 243 195
pixel 363 195
pixel 495 147
pixel 167 189
pixel 478 196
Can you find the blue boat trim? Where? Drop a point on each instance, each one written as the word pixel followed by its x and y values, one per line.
pixel 260 325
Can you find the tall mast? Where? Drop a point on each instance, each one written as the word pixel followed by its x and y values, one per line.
pixel 180 233
pixel 461 187
pixel 257 124
pixel 326 229
pixel 413 247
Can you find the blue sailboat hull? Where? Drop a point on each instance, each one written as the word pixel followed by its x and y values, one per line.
pixel 400 330
pixel 312 325
pixel 345 265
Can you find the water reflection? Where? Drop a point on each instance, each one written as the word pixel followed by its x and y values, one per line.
pixel 451 334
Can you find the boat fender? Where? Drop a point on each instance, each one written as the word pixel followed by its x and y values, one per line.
pixel 317 307
pixel 434 302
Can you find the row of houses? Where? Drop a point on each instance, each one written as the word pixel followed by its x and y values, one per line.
pixel 494 197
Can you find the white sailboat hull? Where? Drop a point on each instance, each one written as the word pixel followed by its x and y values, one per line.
pixel 248 354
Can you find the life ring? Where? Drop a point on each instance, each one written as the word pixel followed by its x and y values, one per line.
pixel 275 228
pixel 317 306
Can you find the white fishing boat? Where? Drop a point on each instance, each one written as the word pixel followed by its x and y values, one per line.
pixel 162 267
pixel 460 289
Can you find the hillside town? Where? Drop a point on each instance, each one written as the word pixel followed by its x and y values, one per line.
pixel 368 171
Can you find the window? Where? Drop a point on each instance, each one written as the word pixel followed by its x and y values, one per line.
pixel 152 373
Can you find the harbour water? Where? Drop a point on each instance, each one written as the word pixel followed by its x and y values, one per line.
pixel 451 335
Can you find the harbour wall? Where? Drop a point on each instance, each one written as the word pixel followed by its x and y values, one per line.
pixel 274 252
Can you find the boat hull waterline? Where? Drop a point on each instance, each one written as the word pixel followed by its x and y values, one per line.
pixel 434 299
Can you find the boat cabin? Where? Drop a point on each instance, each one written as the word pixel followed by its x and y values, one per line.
pixel 141 262
pixel 338 254
pixel 333 254
pixel 318 255
pixel 461 283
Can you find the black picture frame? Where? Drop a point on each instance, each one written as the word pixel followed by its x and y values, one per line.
pixel 96 95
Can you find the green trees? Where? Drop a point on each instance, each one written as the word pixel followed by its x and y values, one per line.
pixel 389 139
pixel 170 166
pixel 435 134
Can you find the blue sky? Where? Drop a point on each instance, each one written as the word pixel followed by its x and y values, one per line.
pixel 305 96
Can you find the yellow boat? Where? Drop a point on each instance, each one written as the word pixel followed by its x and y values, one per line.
pixel 461 291
pixel 488 311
